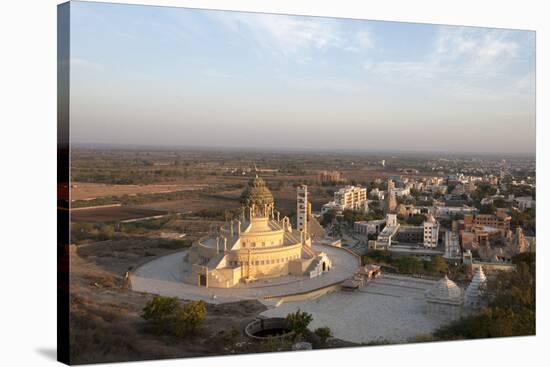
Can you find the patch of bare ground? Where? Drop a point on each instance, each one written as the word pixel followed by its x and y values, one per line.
pixel 88 190
pixel 125 253
pixel 106 323
pixel 108 214
pixel 196 201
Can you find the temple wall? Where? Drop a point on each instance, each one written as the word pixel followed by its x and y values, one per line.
pixel 271 239
pixel 299 266
pixel 445 310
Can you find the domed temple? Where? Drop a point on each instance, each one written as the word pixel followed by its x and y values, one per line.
pixel 444 299
pixel 259 245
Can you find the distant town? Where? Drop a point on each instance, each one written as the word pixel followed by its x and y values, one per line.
pixel 272 251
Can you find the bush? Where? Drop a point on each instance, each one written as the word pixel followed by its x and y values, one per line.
pixel 161 311
pixel 323 333
pixel 437 265
pixel 328 217
pixel 409 265
pixel 416 219
pixel 170 316
pixel 299 321
pixel 380 256
pixel 190 317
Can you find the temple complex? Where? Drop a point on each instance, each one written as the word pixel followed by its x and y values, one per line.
pixel 258 245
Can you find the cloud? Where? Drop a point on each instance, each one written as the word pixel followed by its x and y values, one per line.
pixel 286 35
pixel 83 63
pixel 463 62
pixel 477 45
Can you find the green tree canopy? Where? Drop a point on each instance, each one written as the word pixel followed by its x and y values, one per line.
pixel 323 333
pixel 169 315
pixel 299 321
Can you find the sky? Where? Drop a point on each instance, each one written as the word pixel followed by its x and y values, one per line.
pixel 162 76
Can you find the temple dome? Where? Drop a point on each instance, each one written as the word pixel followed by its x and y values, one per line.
pixel 256 193
pixel 445 290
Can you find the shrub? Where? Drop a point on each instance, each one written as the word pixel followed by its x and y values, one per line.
pixel 409 265
pixel 170 316
pixel 437 265
pixel 299 321
pixel 189 317
pixel 323 333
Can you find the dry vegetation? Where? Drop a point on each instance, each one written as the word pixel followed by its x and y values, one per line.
pixel 88 190
pixel 106 323
pixel 109 214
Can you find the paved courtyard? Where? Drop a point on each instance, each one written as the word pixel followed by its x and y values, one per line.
pixel 164 276
pixel 391 308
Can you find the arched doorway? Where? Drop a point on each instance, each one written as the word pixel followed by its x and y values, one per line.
pixel 324 266
pixel 202 280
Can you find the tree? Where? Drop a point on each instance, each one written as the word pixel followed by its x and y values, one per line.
pixel 323 333
pixel 416 219
pixel 161 311
pixel 299 321
pixel 438 265
pixel 378 256
pixel 328 217
pixel 414 193
pixel 189 317
pixel 487 209
pixel 409 265
pixel 526 220
pixel 352 216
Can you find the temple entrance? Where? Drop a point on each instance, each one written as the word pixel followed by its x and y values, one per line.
pixel 202 280
pixel 324 266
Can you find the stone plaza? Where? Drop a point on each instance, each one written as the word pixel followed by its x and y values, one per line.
pixel 389 309
pixel 165 276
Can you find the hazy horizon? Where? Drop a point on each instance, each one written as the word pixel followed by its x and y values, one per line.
pixel 162 76
pixel 278 150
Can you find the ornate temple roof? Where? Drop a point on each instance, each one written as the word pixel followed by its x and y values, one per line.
pixel 256 193
pixel 445 291
pixel 476 289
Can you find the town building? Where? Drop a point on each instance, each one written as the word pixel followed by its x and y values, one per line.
pixel 376 194
pixel 384 239
pixel 402 192
pixel 431 232
pixel 369 227
pixel 452 246
pixel 348 197
pixel 403 238
pixel 524 202
pixel 448 212
pixel 409 210
pixel 435 189
pixel 331 177
pixel 500 220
